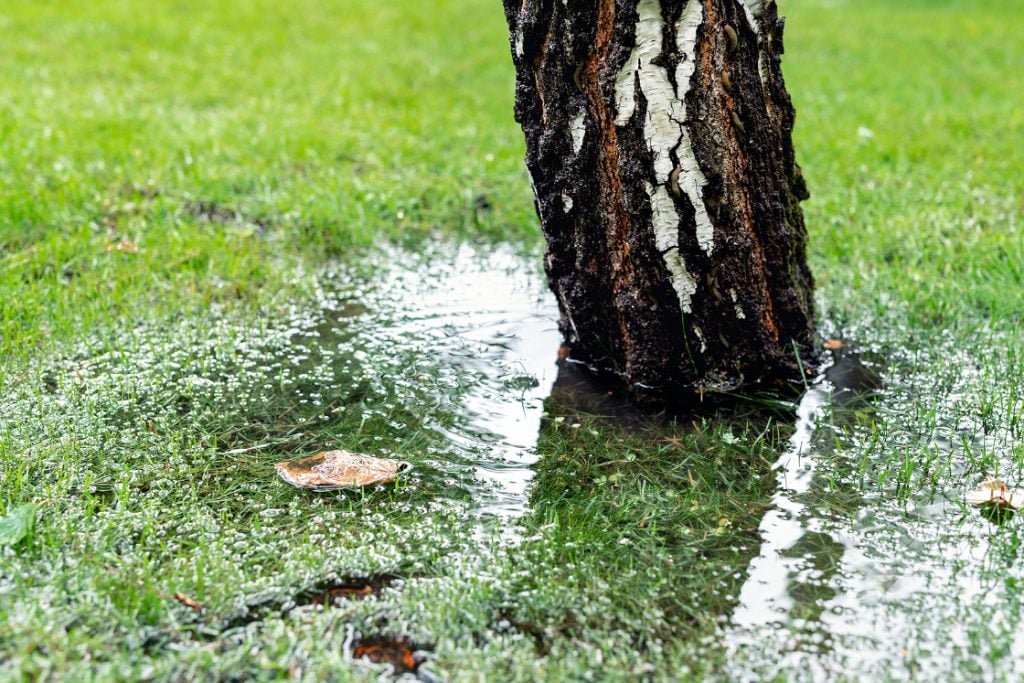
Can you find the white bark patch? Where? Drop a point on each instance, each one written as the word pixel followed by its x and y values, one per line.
pixel 665 131
pixel 752 8
pixel 575 337
pixel 666 239
pixel 703 342
pixel 691 179
pixel 566 203
pixel 579 131
pixel 519 43
pixel 736 305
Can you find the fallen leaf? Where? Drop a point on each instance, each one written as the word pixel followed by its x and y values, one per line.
pixel 340 469
pixel 331 593
pixel 188 602
pixel 995 493
pixel 834 344
pixel 17 524
pixel 400 653
pixel 124 246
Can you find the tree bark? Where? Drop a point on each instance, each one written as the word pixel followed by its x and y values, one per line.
pixel 658 139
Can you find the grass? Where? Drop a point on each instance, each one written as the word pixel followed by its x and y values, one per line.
pixel 258 155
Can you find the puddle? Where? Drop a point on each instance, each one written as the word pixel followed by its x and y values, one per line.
pixel 499 325
pixel 443 358
pixel 870 568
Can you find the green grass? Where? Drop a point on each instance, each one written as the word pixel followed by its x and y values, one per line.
pixel 332 126
pixel 259 153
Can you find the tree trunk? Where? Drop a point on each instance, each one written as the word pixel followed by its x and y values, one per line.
pixel 659 145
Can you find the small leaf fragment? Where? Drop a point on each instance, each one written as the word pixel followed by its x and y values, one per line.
pixel 340 469
pixel 834 344
pixel 188 602
pixel 124 247
pixel 995 493
pixel 17 524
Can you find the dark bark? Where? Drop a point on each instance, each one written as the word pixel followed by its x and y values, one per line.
pixel 657 131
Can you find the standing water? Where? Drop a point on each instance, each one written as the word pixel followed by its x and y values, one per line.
pixel 500 327
pixel 870 567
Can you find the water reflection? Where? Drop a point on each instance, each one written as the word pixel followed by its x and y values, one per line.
pixel 869 567
pixel 765 598
pixel 498 324
pixel 796 583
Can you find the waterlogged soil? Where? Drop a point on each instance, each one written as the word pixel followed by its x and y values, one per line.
pixel 545 530
pixel 871 567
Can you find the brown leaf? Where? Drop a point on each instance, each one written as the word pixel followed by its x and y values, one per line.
pixel 400 653
pixel 188 602
pixel 340 469
pixel 834 344
pixel 994 493
pixel 124 246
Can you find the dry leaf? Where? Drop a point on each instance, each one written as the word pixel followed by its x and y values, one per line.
pixel 188 602
pixel 834 344
pixel 995 493
pixel 400 653
pixel 124 246
pixel 340 469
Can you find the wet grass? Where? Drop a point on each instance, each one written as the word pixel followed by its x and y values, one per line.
pixel 256 154
pixel 161 526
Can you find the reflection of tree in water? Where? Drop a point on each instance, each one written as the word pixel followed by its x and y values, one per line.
pixel 577 391
pixel 811 587
pixel 795 580
pixel 657 514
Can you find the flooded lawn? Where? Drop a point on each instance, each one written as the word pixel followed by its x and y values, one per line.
pixel 544 529
pixel 871 566
pixel 188 296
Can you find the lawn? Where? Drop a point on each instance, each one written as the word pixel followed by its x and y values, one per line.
pixel 224 232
